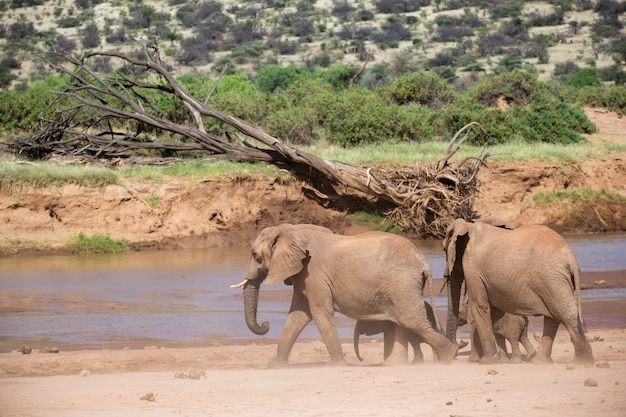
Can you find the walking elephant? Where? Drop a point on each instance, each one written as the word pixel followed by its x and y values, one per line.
pixel 506 326
pixel 528 271
pixel 387 328
pixel 371 276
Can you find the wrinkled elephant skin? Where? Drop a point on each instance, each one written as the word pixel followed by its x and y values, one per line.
pixel 372 276
pixel 529 271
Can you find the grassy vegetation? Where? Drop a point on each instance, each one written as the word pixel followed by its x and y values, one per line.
pixel 14 175
pixel 586 195
pixel 97 244
pixel 192 170
pixel 377 221
pixel 408 153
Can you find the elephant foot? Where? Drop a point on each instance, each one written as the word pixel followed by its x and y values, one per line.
pixel 516 359
pixel 447 353
pixel 278 363
pixel 462 344
pixel 531 356
pixel 585 360
pixel 336 362
pixel 395 362
pixel 490 360
pixel 542 359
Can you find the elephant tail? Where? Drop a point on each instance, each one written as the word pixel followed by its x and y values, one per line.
pixel 575 272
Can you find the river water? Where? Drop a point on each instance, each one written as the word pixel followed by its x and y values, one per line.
pixel 184 297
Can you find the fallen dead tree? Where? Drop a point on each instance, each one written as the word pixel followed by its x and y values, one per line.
pixel 422 198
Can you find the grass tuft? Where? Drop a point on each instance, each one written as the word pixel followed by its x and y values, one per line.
pixel 98 243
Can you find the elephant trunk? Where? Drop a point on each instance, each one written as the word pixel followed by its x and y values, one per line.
pixel 454 296
pixel 250 302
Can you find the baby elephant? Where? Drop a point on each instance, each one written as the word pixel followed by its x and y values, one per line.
pixel 373 327
pixel 506 326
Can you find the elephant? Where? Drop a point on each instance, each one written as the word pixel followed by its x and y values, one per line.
pixel 370 328
pixel 506 326
pixel 526 271
pixel 370 276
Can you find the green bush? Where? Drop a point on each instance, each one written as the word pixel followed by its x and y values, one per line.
pixel 424 88
pixel 360 116
pixel 612 97
pixel 514 87
pixel 271 78
pixel 584 77
pixel 20 110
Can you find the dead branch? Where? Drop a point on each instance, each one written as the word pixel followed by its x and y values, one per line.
pixel 92 115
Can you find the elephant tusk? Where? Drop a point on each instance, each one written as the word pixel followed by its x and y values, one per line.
pixel 241 284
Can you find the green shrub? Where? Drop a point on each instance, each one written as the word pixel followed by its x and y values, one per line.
pixel 271 78
pixel 584 77
pixel 424 88
pixel 514 87
pixel 20 110
pixel 360 116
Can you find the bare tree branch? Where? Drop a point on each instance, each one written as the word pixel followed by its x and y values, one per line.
pixel 93 113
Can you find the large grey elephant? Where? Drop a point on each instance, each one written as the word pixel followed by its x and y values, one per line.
pixel 371 276
pixel 506 326
pixel 387 328
pixel 529 271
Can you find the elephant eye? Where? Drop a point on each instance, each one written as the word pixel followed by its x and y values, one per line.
pixel 256 256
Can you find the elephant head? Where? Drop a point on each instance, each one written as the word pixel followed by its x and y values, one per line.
pixel 278 253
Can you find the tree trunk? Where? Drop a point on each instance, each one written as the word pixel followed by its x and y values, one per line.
pixel 422 199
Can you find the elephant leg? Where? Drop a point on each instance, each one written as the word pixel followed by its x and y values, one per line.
pixel 418 356
pixel 388 339
pixel 544 354
pixel 502 350
pixel 399 353
pixel 583 354
pixel 443 349
pixel 298 317
pixel 476 349
pixel 324 318
pixel 530 349
pixel 482 319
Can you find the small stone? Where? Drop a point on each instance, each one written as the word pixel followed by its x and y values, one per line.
pixel 49 350
pixel 26 350
pixel 148 397
pixel 449 403
pixel 85 372
pixel 492 372
pixel 603 364
pixel 599 282
pixel 590 382
pixel 196 374
pixel 488 400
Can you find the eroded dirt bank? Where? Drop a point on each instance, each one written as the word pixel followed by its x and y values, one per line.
pixel 231 211
pixel 226 211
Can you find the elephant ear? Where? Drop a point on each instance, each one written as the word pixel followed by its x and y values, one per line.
pixel 287 252
pixel 458 229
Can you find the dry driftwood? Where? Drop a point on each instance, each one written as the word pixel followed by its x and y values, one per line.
pixel 422 198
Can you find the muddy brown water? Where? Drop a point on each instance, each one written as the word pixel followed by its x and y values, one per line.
pixel 184 297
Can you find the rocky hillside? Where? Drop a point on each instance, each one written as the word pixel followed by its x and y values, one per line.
pixel 451 37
